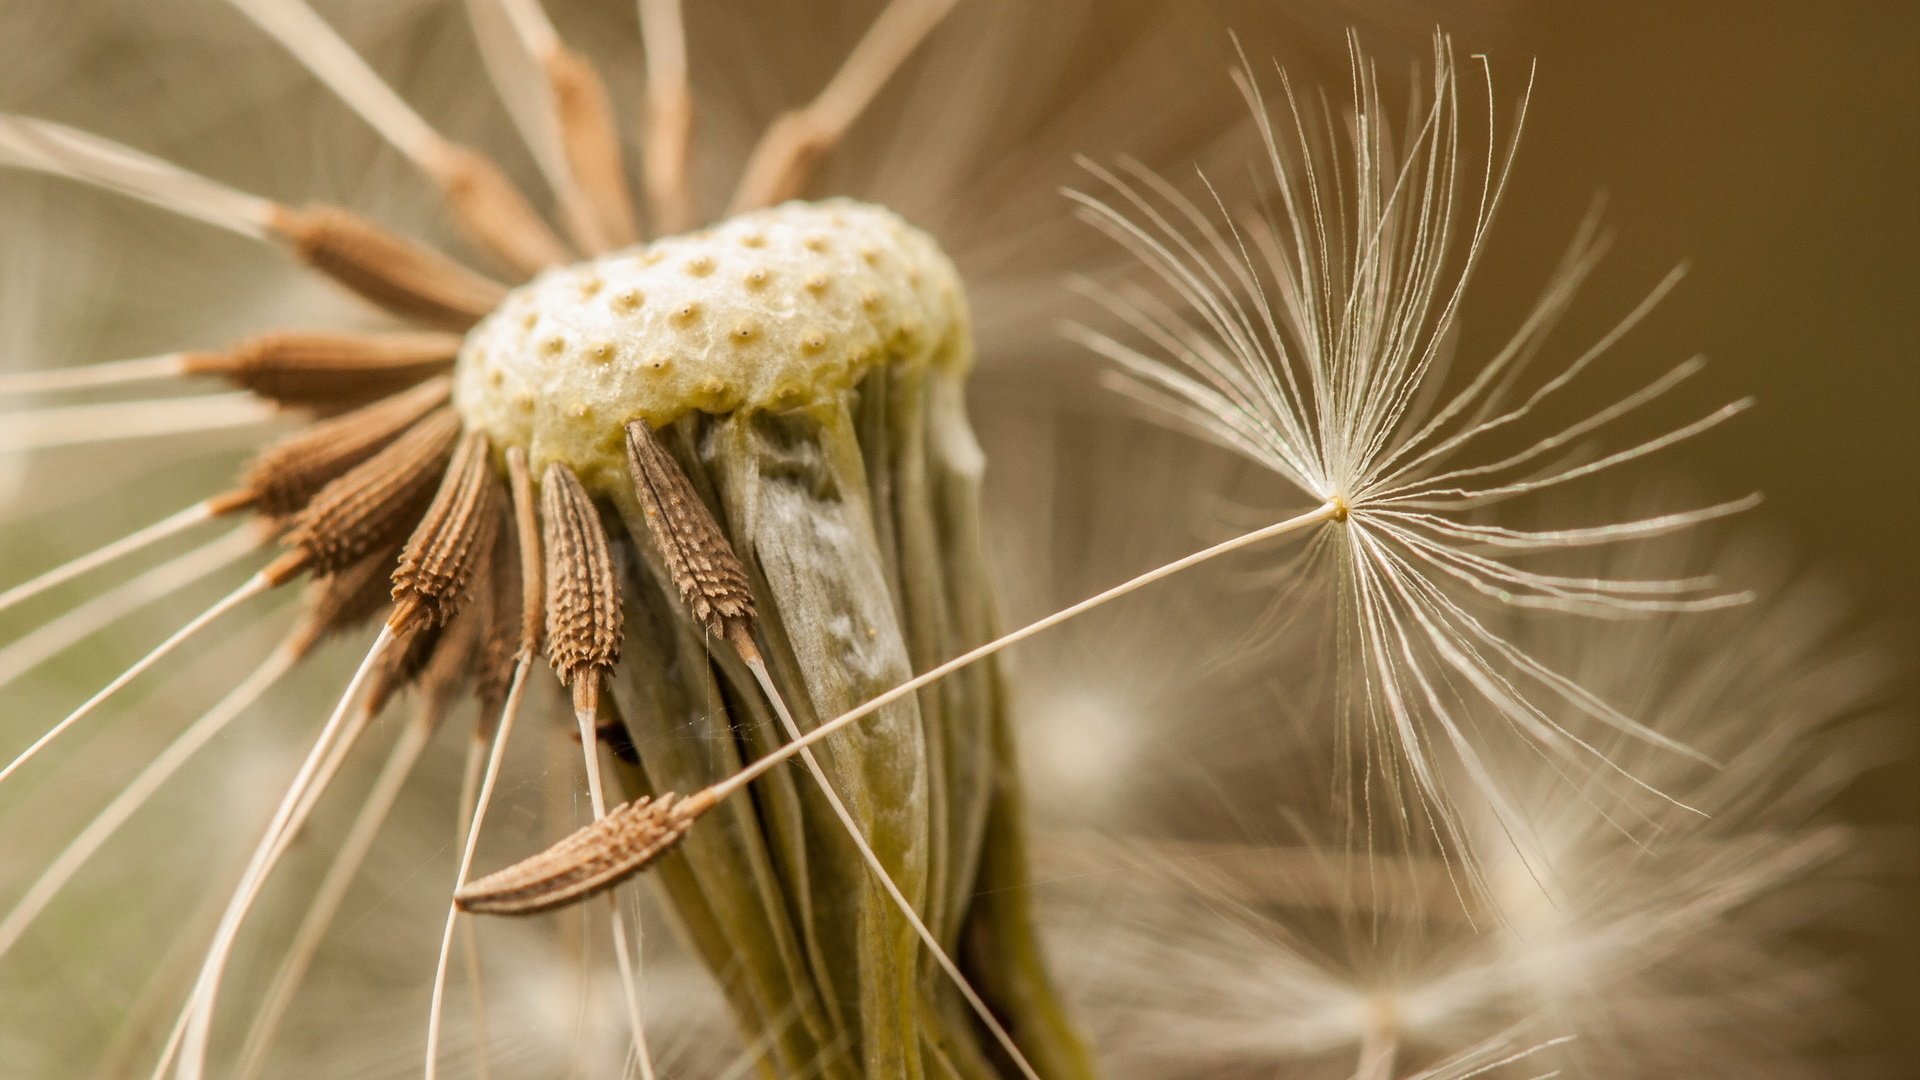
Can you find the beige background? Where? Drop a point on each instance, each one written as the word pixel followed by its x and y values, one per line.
pixel 1776 147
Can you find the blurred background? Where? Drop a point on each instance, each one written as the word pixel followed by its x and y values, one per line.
pixel 1775 148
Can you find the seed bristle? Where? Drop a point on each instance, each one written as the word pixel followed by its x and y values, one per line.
pixel 590 861
pixel 706 572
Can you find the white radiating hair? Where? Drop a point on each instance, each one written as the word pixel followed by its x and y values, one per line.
pixel 1315 336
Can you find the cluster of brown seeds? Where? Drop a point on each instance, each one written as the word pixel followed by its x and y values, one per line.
pixel 390 504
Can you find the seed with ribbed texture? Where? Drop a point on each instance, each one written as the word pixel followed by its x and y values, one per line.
pixel 400 276
pixel 430 584
pixel 328 370
pixel 340 601
pixel 584 624
pixel 285 476
pixel 592 860
pixel 437 660
pixel 374 504
pixel 499 647
pixel 708 575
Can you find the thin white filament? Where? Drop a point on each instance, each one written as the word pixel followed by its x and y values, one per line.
pixel 287 819
pixel 51 638
pixel 629 958
pixel 1326 512
pixel 487 782
pixel 1482 496
pixel 1388 471
pixel 879 869
pixel 168 526
pixel 332 892
pixel 336 756
pixel 131 798
pixel 476 760
pixel 85 425
pixel 58 150
pixel 1479 1060
pixel 1561 436
pixel 92 376
pixel 253 587
pixel 322 51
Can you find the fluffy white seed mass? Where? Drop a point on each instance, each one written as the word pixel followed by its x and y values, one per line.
pixel 775 309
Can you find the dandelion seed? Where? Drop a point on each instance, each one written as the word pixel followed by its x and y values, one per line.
pixel 1312 339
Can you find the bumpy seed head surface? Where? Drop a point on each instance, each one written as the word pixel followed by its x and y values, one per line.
pixel 774 309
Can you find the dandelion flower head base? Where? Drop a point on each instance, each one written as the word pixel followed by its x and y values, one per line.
pixel 779 308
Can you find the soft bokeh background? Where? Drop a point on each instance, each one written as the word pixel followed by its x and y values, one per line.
pixel 1776 149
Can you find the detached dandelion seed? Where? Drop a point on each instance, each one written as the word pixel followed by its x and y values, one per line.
pixel 1312 336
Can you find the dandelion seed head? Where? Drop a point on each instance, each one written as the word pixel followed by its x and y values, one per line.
pixel 593 360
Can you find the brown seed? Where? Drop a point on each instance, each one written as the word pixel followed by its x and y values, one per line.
pixel 438 660
pixel 501 641
pixel 493 212
pixel 288 474
pixel 430 584
pixel 584 620
pixel 328 370
pixel 588 862
pixel 526 532
pixel 589 132
pixel 374 504
pixel 412 649
pixel 342 601
pixel 708 575
pixel 409 280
